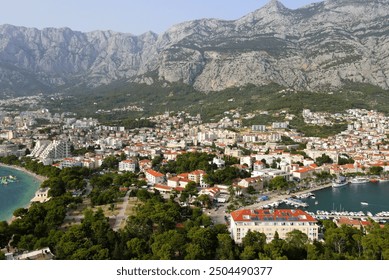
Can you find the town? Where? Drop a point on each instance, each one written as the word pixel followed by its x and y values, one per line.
pixel 228 170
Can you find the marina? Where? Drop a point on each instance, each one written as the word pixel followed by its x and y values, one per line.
pixel 361 201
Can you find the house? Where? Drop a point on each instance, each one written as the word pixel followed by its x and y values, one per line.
pixel 356 223
pixel 269 222
pixel 197 176
pixel 255 182
pixel 303 173
pixel 144 164
pixel 219 162
pixel 154 177
pixel 175 182
pixel 213 193
pixel 166 189
pixel 259 165
pixel 41 195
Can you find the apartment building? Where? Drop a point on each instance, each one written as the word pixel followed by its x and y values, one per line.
pixel 268 222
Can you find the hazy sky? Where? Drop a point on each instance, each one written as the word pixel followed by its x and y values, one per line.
pixel 130 16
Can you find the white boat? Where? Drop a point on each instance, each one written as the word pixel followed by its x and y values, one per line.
pixel 383 180
pixel 364 203
pixel 359 180
pixel 339 183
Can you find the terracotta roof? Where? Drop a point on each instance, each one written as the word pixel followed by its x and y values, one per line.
pixel 198 172
pixel 272 215
pixel 154 173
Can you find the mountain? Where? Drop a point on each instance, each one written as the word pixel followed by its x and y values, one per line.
pixel 319 46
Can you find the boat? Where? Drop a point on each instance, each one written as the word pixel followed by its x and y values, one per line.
pixel 340 182
pixel 4 180
pixel 374 180
pixel 359 180
pixel 383 180
pixel 364 203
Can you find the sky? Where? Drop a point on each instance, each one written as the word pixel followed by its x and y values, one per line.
pixel 128 16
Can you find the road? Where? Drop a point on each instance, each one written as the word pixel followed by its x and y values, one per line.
pixel 119 218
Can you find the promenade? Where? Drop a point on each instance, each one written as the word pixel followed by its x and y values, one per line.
pixel 274 197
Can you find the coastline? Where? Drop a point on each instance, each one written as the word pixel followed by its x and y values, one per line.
pixel 276 197
pixel 22 169
pixel 37 177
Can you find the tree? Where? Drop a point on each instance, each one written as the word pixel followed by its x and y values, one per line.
pixel 204 200
pixel 253 244
pixel 110 162
pixel 56 185
pixel 275 250
pixel 202 244
pixel 138 249
pixel 20 212
pixel 296 245
pixel 5 234
pixel 226 249
pixel 323 159
pixel 376 170
pixel 278 183
pixel 168 245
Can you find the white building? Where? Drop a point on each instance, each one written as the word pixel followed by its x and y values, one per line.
pixel 154 177
pixel 128 165
pixel 269 222
pixel 56 149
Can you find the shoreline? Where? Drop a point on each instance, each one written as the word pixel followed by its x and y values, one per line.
pixel 277 197
pixel 37 177
pixel 22 169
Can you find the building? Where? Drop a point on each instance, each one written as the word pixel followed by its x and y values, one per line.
pixel 45 149
pixel 41 195
pixel 197 176
pixel 255 182
pixel 154 177
pixel 70 162
pixel 269 222
pixel 127 165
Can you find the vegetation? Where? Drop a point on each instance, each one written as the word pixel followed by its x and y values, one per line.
pixel 158 98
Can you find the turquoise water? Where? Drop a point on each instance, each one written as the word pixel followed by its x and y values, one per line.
pixel 17 194
pixel 349 197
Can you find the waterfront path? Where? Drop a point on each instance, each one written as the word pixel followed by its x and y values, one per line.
pixel 273 197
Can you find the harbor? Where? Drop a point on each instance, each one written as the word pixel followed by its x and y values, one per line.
pixel 362 200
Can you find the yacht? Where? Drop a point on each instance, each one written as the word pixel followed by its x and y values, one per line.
pixel 359 180
pixel 340 182
pixel 364 203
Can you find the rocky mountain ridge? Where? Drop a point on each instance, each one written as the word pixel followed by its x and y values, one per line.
pixel 322 45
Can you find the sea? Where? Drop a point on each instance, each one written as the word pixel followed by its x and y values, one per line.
pixel 17 194
pixel 349 198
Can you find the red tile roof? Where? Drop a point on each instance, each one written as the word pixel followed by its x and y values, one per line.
pixel 272 215
pixel 154 173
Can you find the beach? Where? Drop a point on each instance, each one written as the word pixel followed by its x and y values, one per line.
pixel 19 194
pixel 36 176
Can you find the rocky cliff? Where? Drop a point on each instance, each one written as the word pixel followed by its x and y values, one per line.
pixel 323 45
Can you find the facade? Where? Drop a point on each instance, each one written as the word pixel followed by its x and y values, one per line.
pixel 269 222
pixel 127 165
pixel 56 149
pixel 154 177
pixel 70 162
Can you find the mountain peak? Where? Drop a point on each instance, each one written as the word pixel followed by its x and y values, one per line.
pixel 275 6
